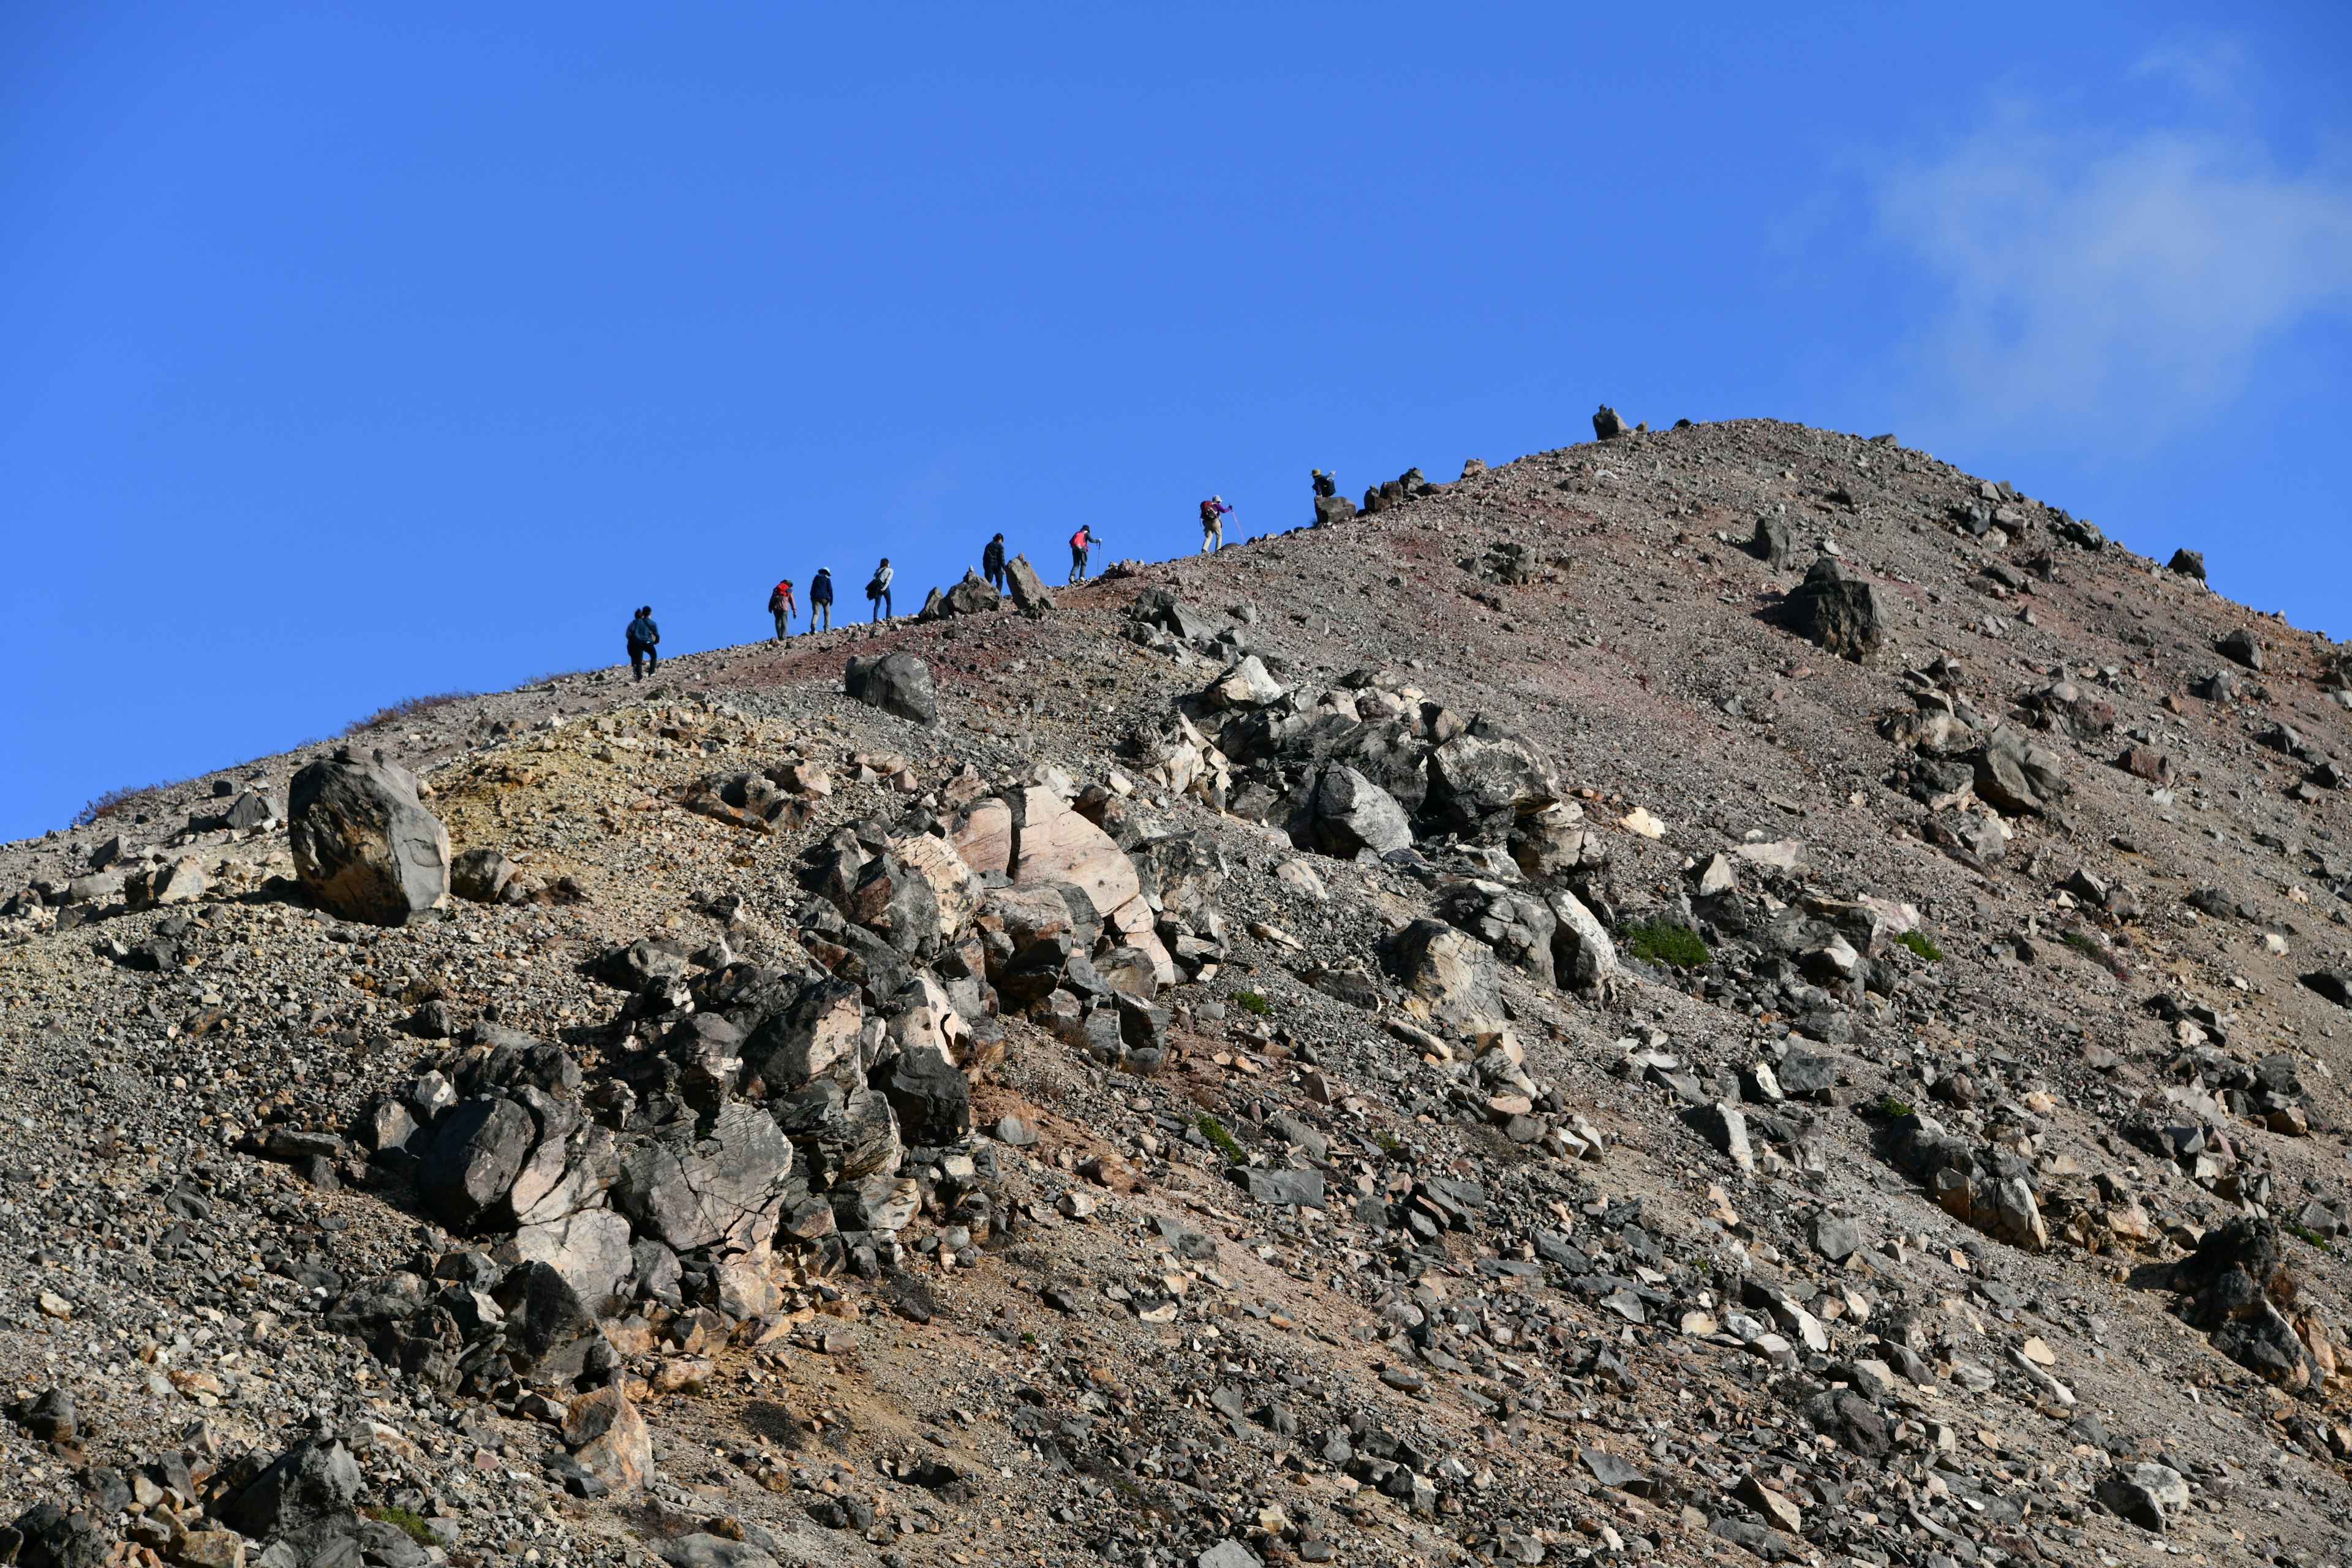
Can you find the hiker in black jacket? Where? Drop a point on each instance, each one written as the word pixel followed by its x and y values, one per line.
pixel 821 599
pixel 991 564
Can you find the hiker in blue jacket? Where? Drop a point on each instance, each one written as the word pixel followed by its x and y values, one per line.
pixel 821 599
pixel 643 636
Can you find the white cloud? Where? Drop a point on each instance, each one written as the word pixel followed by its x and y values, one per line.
pixel 2117 283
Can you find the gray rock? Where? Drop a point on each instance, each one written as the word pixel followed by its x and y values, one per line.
pixel 363 846
pixel 550 1331
pixel 250 810
pixel 1726 1127
pixel 895 903
pixel 1027 590
pixel 1332 510
pixel 1483 780
pixel 476 1154
pixel 1293 1131
pixel 930 1094
pixel 2239 647
pixel 2188 563
pixel 2017 774
pixel 896 682
pixel 1838 612
pixel 1806 1072
pixel 1227 1554
pixel 1514 921
pixel 1610 1469
pixel 1607 425
pixel 1353 814
pixel 1835 1238
pixel 481 875
pixel 972 596
pixel 701 1551
pixel 1774 541
pixel 840 1136
pixel 1581 953
pixel 815 1035
pixel 1451 975
pixel 1013 1132
pixel 1300 1189
pixel 727 1188
pixel 311 1482
pixel 2148 1494
pixel 875 1204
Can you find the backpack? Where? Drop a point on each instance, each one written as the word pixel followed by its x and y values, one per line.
pixel 1079 540
pixel 1208 513
pixel 775 601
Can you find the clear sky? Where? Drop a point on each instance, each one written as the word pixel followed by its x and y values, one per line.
pixel 352 352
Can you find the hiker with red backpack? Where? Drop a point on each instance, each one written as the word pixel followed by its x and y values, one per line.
pixel 1213 524
pixel 781 605
pixel 1080 542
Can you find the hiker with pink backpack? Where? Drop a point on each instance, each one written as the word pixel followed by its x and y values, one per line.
pixel 1213 524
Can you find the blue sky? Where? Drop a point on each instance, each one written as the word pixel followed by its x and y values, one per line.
pixel 347 354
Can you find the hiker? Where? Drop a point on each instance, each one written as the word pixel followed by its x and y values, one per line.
pixel 643 636
pixel 1213 524
pixel 991 564
pixel 1080 542
pixel 781 605
pixel 821 599
pixel 1326 486
pixel 877 592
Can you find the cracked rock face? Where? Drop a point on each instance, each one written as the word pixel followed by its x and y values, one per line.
pixel 689 1192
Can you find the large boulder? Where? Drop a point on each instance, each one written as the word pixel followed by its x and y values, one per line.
pixel 815 1035
pixel 1483 780
pixel 2016 774
pixel 975 595
pixel 1838 610
pixel 1056 844
pixel 312 1483
pixel 896 682
pixel 929 1093
pixel 363 846
pixel 840 1134
pixel 1027 589
pixel 476 1154
pixel 1514 921
pixel 894 903
pixel 590 1250
pixel 724 1188
pixel 550 1329
pixel 610 1439
pixel 1607 425
pixel 1330 511
pixel 1450 976
pixel 1353 814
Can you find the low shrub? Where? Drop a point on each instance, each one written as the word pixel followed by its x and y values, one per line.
pixel 1917 941
pixel 1661 941
pixel 407 708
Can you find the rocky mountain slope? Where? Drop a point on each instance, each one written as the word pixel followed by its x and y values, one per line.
pixel 1723 992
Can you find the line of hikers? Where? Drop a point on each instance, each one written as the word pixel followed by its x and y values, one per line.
pixel 644 638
